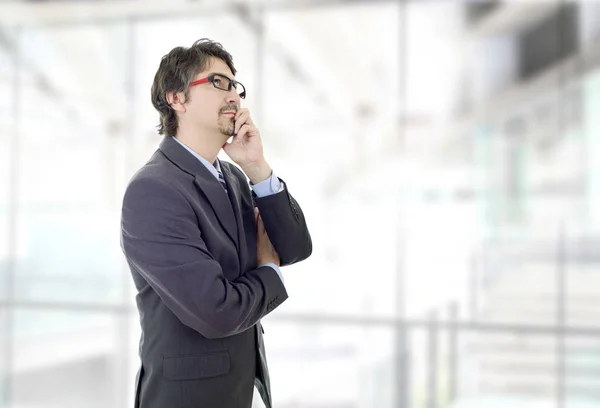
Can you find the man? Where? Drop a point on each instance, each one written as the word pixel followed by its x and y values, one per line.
pixel 204 248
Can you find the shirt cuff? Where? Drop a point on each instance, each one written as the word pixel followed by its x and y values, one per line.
pixel 267 187
pixel 277 269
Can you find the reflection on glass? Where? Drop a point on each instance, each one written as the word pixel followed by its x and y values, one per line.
pixel 69 255
pixel 70 359
pixel 67 245
pixel 6 128
pixel 314 365
pixel 4 350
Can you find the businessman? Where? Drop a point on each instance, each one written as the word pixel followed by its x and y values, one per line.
pixel 205 241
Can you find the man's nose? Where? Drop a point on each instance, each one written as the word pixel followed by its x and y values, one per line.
pixel 233 97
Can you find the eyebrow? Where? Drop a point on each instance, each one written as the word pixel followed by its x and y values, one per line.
pixel 219 73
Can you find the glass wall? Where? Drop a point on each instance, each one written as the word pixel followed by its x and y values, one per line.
pixel 444 154
pixel 7 143
pixel 64 268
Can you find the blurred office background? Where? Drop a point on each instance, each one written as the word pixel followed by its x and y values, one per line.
pixel 445 153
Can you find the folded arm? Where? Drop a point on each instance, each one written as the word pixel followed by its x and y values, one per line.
pixel 162 242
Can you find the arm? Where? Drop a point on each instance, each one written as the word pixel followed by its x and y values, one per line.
pixel 283 218
pixel 285 224
pixel 281 214
pixel 161 240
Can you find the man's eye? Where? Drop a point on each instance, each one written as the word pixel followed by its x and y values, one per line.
pixel 217 81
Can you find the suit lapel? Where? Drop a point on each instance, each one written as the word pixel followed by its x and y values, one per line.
pixel 233 188
pixel 206 183
pixel 218 200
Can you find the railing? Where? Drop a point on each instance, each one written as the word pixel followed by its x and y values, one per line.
pixel 442 328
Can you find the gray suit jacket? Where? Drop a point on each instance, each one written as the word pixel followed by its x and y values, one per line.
pixel 191 249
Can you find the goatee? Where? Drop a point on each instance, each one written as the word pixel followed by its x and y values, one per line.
pixel 226 127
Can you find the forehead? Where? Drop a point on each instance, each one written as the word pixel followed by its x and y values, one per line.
pixel 216 66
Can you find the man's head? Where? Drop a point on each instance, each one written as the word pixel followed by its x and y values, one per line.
pixel 190 90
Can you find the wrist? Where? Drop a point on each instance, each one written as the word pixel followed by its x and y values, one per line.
pixel 257 172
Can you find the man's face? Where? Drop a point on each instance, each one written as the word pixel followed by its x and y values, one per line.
pixel 210 109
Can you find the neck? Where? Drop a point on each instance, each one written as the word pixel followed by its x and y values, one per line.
pixel 206 145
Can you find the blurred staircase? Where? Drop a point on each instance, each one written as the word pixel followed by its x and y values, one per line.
pixel 524 291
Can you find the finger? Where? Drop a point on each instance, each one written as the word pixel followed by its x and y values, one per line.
pixel 240 112
pixel 240 121
pixel 242 132
pixel 260 226
pixel 256 212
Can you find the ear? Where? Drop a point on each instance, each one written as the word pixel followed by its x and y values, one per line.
pixel 176 100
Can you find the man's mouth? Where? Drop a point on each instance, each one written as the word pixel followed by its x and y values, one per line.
pixel 229 110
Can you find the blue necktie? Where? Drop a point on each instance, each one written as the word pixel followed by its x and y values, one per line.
pixel 222 180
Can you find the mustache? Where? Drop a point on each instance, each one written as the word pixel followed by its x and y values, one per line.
pixel 227 108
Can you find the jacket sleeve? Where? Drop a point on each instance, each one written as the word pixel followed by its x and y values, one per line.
pixel 162 242
pixel 285 224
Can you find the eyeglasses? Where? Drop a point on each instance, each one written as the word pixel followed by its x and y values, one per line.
pixel 223 83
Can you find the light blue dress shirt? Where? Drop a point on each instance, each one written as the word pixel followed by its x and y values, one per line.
pixel 266 187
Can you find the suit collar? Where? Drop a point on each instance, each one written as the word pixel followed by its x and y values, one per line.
pixel 207 184
pixel 214 168
pixel 182 157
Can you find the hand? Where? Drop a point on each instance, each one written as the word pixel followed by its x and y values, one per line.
pixel 264 249
pixel 246 148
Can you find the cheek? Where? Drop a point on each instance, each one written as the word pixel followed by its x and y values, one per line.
pixel 206 113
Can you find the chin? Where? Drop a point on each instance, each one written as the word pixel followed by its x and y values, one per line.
pixel 226 133
pixel 226 128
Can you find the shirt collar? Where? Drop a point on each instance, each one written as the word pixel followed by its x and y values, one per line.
pixel 215 168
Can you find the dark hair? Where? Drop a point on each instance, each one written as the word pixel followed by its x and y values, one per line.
pixel 177 69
